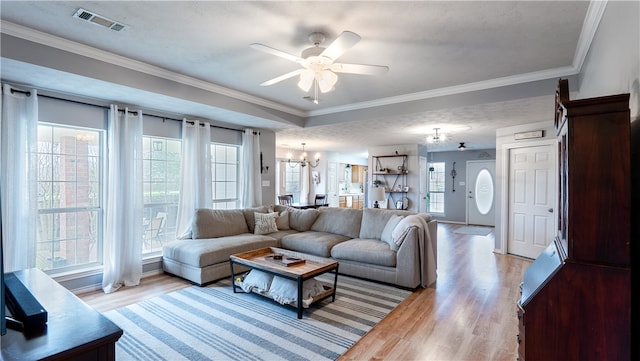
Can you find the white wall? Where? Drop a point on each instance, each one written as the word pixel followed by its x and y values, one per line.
pixel 612 65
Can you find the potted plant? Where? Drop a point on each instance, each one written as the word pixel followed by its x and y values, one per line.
pixel 378 183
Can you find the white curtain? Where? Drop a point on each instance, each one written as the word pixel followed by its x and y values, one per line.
pixel 18 164
pixel 251 180
pixel 124 201
pixel 304 184
pixel 195 174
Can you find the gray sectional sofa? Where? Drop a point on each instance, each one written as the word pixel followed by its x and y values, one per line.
pixel 391 246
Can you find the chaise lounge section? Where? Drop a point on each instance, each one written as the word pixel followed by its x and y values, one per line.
pixel 391 246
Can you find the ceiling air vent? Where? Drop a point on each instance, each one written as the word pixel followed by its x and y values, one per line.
pixel 96 19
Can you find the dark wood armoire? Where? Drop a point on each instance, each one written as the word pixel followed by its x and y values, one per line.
pixel 576 296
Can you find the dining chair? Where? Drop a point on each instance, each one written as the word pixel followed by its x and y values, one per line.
pixel 286 199
pixel 320 199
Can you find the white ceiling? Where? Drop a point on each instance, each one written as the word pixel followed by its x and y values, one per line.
pixel 465 67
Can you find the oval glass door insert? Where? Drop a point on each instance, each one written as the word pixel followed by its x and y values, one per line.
pixel 484 192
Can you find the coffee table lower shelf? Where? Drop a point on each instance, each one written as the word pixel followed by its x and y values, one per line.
pixel 313 266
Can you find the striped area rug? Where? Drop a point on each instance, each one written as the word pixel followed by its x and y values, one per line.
pixel 213 323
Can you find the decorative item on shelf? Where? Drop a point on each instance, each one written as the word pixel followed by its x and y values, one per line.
pixel 405 189
pixel 399 188
pixel 378 183
pixel 303 162
pixel 453 176
pixel 377 195
pixel 462 147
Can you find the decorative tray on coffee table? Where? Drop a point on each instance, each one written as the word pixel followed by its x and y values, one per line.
pixel 284 260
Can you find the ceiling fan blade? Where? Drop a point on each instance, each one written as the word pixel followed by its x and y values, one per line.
pixel 359 69
pixel 282 77
pixel 342 43
pixel 276 52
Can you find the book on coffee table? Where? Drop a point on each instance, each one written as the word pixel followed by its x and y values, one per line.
pixel 284 260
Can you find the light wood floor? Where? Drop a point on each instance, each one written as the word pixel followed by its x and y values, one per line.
pixel 469 315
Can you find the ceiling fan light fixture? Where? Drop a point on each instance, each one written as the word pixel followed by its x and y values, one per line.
pixel 306 80
pixel 326 80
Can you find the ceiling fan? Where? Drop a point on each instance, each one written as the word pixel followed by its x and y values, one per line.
pixel 318 63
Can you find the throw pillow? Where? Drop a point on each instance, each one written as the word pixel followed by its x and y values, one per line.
pixel 388 230
pixel 282 220
pixel 258 281
pixel 285 291
pixel 265 223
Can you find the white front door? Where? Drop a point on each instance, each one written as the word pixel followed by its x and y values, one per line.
pixel 481 192
pixel 532 197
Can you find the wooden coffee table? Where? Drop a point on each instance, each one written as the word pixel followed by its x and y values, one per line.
pixel 298 271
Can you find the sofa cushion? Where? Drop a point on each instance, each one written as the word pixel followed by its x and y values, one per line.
pixel 371 251
pixel 343 221
pixel 388 229
pixel 280 234
pixel 206 252
pixel 250 218
pixel 213 223
pixel 310 242
pixel 302 219
pixel 374 220
pixel 282 220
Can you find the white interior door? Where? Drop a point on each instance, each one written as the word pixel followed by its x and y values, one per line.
pixel 532 197
pixel 481 192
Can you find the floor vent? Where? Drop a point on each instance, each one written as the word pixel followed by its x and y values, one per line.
pixel 96 19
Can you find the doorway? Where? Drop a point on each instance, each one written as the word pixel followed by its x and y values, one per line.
pixel 481 192
pixel 532 197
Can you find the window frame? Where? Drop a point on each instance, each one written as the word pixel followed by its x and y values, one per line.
pixel 436 188
pixel 227 202
pixel 53 211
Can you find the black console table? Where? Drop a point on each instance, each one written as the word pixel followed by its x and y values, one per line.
pixel 74 330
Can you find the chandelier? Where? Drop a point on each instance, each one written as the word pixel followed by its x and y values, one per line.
pixel 303 162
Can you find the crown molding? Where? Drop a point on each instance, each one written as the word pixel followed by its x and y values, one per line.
pixel 43 38
pixel 456 89
pixel 589 28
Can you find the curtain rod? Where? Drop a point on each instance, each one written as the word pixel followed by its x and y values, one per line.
pixel 105 107
pixel 25 92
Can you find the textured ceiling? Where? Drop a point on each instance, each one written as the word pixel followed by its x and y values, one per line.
pixel 434 49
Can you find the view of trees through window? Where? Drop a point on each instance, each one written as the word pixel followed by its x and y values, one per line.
pixel 436 187
pixel 224 176
pixel 161 164
pixel 69 191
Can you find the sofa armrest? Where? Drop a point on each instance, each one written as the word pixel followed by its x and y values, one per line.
pixel 417 256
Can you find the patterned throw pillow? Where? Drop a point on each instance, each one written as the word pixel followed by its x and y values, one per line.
pixel 265 223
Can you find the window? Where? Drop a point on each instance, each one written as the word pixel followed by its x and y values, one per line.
pixel 224 176
pixel 69 197
pixel 161 164
pixel 436 187
pixel 292 179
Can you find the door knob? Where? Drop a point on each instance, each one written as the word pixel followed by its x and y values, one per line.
pixel 550 210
